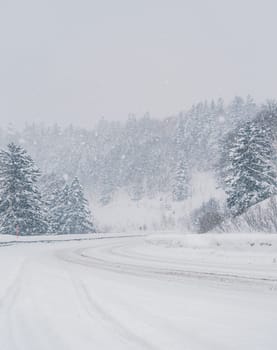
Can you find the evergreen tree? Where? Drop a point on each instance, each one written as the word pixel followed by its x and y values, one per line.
pixel 53 191
pixel 107 190
pixel 250 176
pixel 21 206
pixel 80 219
pixel 72 215
pixel 181 182
pixel 181 178
pixel 62 211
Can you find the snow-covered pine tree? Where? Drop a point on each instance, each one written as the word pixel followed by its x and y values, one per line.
pixel 251 175
pixel 61 211
pixel 80 218
pixel 180 177
pixel 21 206
pixel 106 192
pixel 181 182
pixel 54 194
pixel 73 214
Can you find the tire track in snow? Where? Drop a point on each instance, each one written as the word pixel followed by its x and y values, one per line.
pixel 17 321
pixel 120 251
pixel 81 257
pixel 6 303
pixel 11 291
pixel 92 307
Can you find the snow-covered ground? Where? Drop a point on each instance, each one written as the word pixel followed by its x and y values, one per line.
pixel 156 292
pixel 158 213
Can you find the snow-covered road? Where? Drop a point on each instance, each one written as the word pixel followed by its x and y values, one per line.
pixel 123 293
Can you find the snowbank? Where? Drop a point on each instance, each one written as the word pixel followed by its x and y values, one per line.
pixel 258 242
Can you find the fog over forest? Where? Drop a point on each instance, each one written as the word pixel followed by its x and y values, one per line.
pixel 145 159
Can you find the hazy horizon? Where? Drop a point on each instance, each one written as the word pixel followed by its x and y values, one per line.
pixel 73 63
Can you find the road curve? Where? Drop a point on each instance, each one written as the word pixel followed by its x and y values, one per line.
pixel 118 293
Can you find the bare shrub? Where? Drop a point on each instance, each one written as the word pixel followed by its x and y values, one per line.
pixel 259 218
pixel 207 217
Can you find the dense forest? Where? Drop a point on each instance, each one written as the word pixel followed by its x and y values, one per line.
pixel 146 157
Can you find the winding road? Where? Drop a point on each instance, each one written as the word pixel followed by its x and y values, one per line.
pixel 122 293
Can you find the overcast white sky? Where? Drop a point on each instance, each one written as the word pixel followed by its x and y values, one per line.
pixel 73 61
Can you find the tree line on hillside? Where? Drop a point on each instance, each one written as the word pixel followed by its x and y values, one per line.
pixel 143 157
pixel 24 210
pixel 147 157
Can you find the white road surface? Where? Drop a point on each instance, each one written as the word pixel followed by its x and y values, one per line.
pixel 124 293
